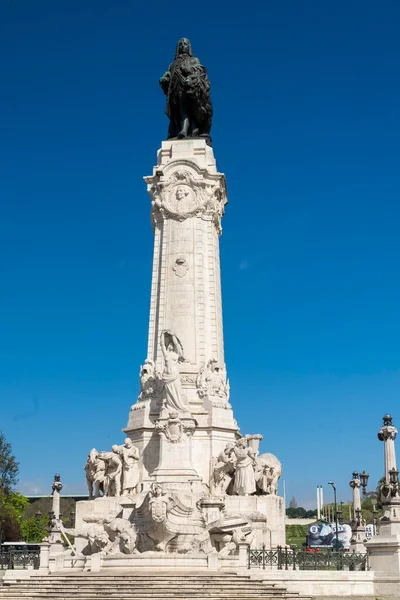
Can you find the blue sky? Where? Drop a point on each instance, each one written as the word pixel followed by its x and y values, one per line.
pixel 306 128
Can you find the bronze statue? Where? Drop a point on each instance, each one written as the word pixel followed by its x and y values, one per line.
pixel 187 88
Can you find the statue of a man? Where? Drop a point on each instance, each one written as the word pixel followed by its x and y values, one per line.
pixel 173 354
pixel 245 481
pixel 112 477
pixel 187 88
pixel 130 470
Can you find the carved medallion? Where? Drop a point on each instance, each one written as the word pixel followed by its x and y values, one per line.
pixel 180 266
pixel 181 199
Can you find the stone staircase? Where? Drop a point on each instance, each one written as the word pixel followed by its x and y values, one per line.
pixel 143 586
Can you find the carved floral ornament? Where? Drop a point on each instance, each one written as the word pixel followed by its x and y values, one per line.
pixel 182 196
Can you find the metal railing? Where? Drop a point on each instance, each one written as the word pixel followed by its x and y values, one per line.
pixel 12 557
pixel 291 558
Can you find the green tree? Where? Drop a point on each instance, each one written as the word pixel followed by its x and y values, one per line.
pixel 12 504
pixel 9 467
pixel 34 530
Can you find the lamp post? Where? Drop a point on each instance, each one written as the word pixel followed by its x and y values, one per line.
pixel 336 514
pixel 374 514
pixel 2 521
pixel 364 482
pixel 384 549
pixel 38 515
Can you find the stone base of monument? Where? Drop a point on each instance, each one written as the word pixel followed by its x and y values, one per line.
pixel 384 549
pixel 384 553
pixel 193 515
pixel 150 561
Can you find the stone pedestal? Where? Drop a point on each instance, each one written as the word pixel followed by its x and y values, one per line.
pixel 358 539
pixel 175 454
pixel 384 549
pixel 212 508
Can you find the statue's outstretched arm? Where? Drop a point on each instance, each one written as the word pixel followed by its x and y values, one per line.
pixel 162 343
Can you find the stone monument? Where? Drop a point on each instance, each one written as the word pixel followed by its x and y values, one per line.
pixel 186 485
pixel 384 549
pixel 358 523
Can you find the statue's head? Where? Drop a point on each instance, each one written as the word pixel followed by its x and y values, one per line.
pixel 156 489
pixel 229 447
pixel 181 193
pixel 183 47
pixel 128 442
pixel 115 448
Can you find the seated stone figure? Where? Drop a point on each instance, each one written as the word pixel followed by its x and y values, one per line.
pixel 268 470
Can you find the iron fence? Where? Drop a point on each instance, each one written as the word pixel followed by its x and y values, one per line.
pixel 291 558
pixel 14 557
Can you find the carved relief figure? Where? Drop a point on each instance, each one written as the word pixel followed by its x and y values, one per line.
pixel 95 468
pixel 173 354
pixel 239 535
pixel 149 380
pixel 130 471
pixel 122 535
pixel 268 470
pixel 112 478
pixel 244 483
pixel 181 193
pixel 223 470
pixel 187 88
pixel 212 380
pixel 94 533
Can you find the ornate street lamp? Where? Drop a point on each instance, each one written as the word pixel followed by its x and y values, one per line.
pixel 364 481
pixel 394 476
pixel 38 515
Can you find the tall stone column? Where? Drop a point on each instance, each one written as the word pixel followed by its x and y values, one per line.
pixel 387 435
pixel 384 549
pixel 358 523
pixel 55 537
pixel 188 198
